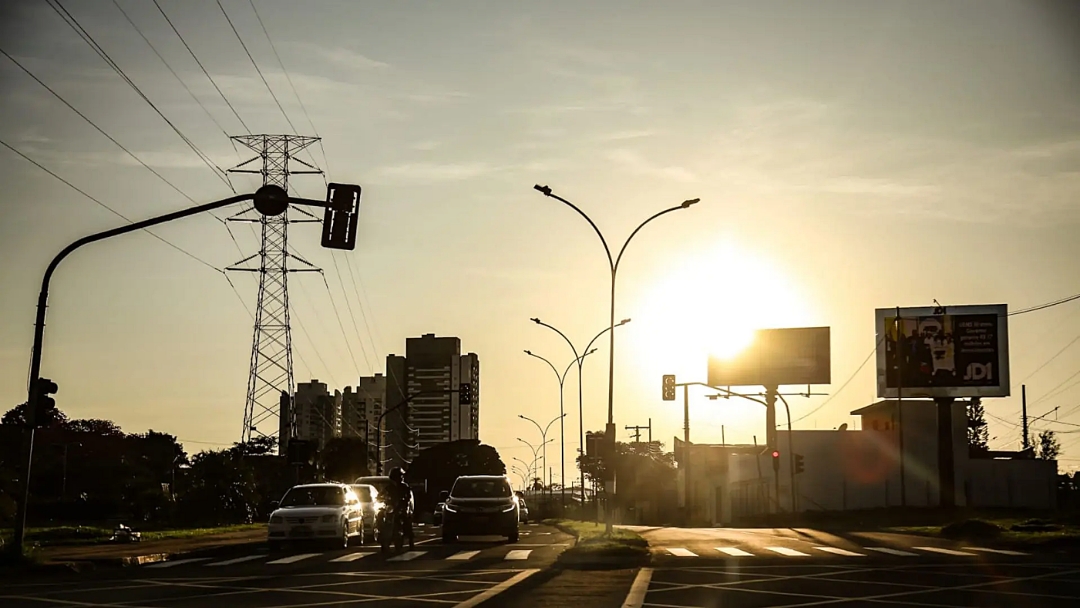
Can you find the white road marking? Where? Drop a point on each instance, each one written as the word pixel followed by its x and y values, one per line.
pixel 680 552
pixel 636 597
pixel 944 551
pixel 1000 551
pixel 292 558
pixel 518 554
pixel 178 562
pixel 734 552
pixel 892 551
pixel 353 556
pixel 237 560
pixel 787 552
pixel 408 555
pixel 480 598
pixel 838 551
pixel 464 555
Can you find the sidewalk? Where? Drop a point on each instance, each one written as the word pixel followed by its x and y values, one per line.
pixel 148 551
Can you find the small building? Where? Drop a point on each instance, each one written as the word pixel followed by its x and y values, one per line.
pixel 885 464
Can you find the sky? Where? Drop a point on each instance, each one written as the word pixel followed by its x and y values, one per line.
pixel 848 156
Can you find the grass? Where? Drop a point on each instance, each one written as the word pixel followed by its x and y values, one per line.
pixel 1066 533
pixel 93 535
pixel 594 546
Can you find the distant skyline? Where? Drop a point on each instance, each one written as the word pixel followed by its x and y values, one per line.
pixel 848 156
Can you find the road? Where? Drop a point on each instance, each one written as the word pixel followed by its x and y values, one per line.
pixel 453 575
pixel 710 567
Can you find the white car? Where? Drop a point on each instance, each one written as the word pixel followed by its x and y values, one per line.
pixel 370 506
pixel 329 512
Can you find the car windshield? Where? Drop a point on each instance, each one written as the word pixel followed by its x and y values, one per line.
pixel 379 483
pixel 481 488
pixel 363 493
pixel 314 496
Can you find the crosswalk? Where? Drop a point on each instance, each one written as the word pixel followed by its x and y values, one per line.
pixel 721 552
pixel 500 554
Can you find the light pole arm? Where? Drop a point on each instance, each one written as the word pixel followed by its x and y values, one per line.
pixel 523 417
pixel 556 330
pixel 615 266
pixel 546 191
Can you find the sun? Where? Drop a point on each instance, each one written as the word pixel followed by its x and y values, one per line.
pixel 710 305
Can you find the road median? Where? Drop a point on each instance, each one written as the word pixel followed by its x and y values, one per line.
pixel 594 549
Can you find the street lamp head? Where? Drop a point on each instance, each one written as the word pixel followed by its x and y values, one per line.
pixel 545 190
pixel 693 201
pixel 528 352
pixel 591 351
pixel 623 322
pixel 535 320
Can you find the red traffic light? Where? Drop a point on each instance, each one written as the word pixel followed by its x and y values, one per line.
pixel 775 454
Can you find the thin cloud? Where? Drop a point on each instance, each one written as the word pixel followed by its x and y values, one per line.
pixel 637 163
pixel 434 172
pixel 348 58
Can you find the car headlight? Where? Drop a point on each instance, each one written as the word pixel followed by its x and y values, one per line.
pixel 326 519
pixel 449 508
pixel 277 519
pixel 508 508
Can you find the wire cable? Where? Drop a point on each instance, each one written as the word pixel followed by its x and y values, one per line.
pixel 202 67
pixel 341 325
pixel 246 51
pixel 1037 307
pixel 842 386
pixel 352 316
pixel 110 209
pixel 81 31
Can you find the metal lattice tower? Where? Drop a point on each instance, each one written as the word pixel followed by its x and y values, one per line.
pixel 271 372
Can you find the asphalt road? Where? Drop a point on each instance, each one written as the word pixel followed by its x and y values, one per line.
pixel 461 574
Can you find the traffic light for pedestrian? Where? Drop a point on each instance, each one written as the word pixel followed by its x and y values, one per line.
pixel 465 394
pixel 798 464
pixel 43 406
pixel 776 460
pixel 342 216
pixel 669 387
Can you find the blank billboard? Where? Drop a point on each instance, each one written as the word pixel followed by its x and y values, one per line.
pixel 958 351
pixel 776 357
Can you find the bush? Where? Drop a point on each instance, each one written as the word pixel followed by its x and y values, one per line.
pixel 971 529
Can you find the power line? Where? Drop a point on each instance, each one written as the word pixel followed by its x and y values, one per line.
pixel 352 316
pixel 110 209
pixel 1048 361
pixel 201 67
pixel 353 279
pixel 241 40
pixel 99 129
pixel 1045 306
pixel 78 28
pixel 341 325
pixel 842 386
pixel 171 70
pixel 273 47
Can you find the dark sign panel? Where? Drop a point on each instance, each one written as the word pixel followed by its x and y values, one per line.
pixel 776 357
pixel 958 351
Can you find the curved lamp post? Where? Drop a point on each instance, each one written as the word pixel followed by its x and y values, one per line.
pixel 580 361
pixel 543 433
pixel 562 416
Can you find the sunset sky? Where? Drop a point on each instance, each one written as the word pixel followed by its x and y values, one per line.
pixel 848 156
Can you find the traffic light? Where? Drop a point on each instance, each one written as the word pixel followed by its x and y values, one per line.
pixel 775 460
pixel 669 387
pixel 465 394
pixel 798 464
pixel 342 216
pixel 43 407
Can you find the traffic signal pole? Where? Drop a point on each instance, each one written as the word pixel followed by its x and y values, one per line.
pixel 269 200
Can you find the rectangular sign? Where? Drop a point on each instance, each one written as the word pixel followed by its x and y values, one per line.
pixel 956 351
pixel 776 357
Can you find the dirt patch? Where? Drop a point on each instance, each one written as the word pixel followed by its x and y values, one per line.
pixel 170 546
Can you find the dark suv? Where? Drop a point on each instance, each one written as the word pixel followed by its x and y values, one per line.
pixel 480 505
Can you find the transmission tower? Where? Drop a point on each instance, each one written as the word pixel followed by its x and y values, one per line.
pixel 271 373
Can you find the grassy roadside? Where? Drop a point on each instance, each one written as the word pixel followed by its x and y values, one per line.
pixel 594 547
pixel 73 536
pixel 1002 530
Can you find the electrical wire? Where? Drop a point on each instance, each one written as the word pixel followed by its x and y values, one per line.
pixel 341 325
pixel 360 303
pixel 842 386
pixel 110 209
pixel 352 316
pixel 202 67
pixel 1045 306
pixel 85 35
pixel 248 53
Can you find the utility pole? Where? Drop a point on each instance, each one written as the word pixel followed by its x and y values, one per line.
pixel 271 367
pixel 686 439
pixel 1023 416
pixel 637 428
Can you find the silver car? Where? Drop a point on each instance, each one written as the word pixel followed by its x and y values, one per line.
pixel 322 511
pixel 371 506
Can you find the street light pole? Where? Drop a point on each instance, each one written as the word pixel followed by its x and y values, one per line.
pixel 544 430
pixel 613 263
pixel 581 400
pixel 562 417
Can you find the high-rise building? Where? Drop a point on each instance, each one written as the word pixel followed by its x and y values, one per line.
pixel 318 413
pixel 431 371
pixel 360 411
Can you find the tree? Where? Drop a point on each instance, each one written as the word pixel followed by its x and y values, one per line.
pixel 1047 446
pixel 16 416
pixel 978 434
pixel 344 459
pixel 443 463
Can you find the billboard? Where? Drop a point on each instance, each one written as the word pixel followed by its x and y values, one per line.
pixel 776 357
pixel 957 351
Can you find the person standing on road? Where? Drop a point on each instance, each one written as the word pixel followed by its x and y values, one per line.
pixel 401 495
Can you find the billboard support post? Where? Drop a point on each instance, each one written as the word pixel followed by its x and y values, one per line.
pixel 897 360
pixel 946 470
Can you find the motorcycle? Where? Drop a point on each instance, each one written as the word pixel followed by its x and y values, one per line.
pixel 391 530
